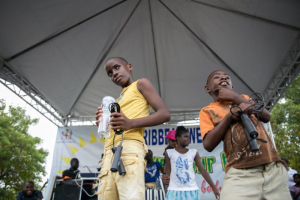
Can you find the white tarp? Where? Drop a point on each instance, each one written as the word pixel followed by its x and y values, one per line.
pixel 60 46
pixel 83 143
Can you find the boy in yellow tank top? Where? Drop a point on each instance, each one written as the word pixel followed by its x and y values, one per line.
pixel 135 101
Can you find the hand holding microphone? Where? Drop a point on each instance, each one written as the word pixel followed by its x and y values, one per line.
pixel 120 121
pixel 244 112
pixel 117 164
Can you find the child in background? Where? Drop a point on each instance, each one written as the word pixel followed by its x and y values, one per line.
pixel 29 193
pixel 179 167
pixel 152 170
pixel 295 190
pixel 290 171
pixel 171 140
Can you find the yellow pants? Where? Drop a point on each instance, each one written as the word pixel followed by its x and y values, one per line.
pixel 268 181
pixel 131 186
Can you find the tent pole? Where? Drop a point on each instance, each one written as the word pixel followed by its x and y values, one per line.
pixel 154 47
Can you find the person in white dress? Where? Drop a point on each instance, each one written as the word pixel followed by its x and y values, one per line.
pixel 179 170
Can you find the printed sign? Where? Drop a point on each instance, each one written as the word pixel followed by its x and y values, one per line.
pixel 83 142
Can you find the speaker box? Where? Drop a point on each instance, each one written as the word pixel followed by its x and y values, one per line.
pixel 67 190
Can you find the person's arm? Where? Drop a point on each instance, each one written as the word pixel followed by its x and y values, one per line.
pixel 294 195
pixel 19 196
pixel 229 95
pixel 213 137
pixel 63 174
pixel 39 195
pixel 167 172
pixel 161 115
pixel 293 192
pixel 216 135
pixel 160 168
pixel 297 195
pixel 205 175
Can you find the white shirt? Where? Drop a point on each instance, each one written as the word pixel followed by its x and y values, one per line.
pixel 291 172
pixel 182 176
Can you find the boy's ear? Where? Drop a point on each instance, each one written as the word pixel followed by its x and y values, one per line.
pixel 207 89
pixel 129 66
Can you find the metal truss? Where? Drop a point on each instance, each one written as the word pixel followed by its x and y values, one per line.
pixel 23 89
pixel 191 117
pixel 284 76
pixel 184 117
pixel 82 121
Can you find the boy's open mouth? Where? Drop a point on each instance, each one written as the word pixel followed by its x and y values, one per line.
pixel 223 83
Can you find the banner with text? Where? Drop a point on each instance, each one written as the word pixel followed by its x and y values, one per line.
pixel 83 142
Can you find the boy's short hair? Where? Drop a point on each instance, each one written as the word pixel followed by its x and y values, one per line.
pixel 298 175
pixel 122 59
pixel 73 159
pixel 31 182
pixel 286 160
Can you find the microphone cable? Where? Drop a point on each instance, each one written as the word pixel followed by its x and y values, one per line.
pixel 256 107
pixel 82 187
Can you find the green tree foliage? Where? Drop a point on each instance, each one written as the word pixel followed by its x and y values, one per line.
pixel 285 122
pixel 20 159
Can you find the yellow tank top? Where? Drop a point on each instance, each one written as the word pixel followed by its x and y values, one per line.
pixel 133 105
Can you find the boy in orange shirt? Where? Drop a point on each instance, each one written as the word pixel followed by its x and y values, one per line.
pixel 249 175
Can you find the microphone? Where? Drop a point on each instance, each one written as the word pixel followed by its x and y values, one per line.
pixel 250 131
pixel 117 164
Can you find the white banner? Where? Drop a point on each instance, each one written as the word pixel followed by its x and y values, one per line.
pixel 82 142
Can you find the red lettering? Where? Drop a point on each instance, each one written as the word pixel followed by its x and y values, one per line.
pixel 209 188
pixel 203 186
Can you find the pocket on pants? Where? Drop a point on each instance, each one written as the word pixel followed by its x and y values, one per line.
pixel 102 181
pixel 130 162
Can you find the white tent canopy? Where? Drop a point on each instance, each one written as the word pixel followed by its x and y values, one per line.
pixel 55 50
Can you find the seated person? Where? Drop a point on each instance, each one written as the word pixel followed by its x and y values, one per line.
pixel 290 171
pixel 72 172
pixel 152 170
pixel 29 193
pixel 295 189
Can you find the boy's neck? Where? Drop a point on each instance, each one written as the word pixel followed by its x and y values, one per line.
pixel 214 96
pixel 74 169
pixel 131 80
